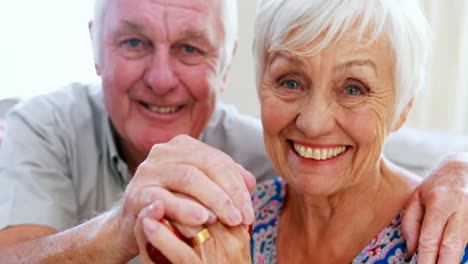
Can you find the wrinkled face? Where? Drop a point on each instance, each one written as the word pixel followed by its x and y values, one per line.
pixel 160 64
pixel 325 117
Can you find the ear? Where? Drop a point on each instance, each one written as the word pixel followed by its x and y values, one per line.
pixel 91 35
pixel 228 67
pixel 403 115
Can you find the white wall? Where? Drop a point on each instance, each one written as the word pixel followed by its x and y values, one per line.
pixel 241 82
pixel 44 45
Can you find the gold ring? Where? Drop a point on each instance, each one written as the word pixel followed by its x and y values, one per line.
pixel 200 237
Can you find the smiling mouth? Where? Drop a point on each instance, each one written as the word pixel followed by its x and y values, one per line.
pixel 162 109
pixel 318 153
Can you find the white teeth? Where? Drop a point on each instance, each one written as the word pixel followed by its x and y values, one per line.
pixel 163 110
pixel 330 153
pixel 324 154
pixel 308 153
pixel 317 153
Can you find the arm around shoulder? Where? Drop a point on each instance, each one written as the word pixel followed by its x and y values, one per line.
pixel 436 216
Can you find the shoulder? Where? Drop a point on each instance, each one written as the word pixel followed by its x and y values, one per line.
pixel 73 96
pixel 56 122
pixel 389 246
pixel 72 105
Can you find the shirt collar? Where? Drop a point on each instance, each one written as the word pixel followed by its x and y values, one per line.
pixel 118 165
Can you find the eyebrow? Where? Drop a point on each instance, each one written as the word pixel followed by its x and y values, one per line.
pixel 188 34
pixel 357 63
pixel 195 35
pixel 290 58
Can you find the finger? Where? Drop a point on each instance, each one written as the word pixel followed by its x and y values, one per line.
pixel 178 207
pixel 196 206
pixel 229 235
pixel 233 183
pixel 411 222
pixel 167 242
pixel 219 168
pixel 431 234
pixel 247 209
pixel 249 178
pixel 156 212
pixel 141 242
pixel 187 231
pixel 233 241
pixel 195 183
pixel 453 242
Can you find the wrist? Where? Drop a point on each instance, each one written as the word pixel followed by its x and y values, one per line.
pixel 109 241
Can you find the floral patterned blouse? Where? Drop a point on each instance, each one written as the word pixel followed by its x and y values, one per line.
pixel 268 198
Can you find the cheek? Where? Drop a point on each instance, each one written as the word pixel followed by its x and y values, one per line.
pixel 367 127
pixel 202 81
pixel 119 74
pixel 273 119
pixel 277 118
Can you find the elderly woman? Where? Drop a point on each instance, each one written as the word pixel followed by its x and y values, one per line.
pixel 334 78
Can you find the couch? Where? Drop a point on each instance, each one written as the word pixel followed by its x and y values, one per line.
pixel 414 149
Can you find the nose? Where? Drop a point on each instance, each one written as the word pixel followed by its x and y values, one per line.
pixel 160 75
pixel 316 116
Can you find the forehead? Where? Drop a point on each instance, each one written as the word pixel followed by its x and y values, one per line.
pixel 348 47
pixel 201 6
pixel 183 15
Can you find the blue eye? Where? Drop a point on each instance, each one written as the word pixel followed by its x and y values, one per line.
pixel 134 43
pixel 189 49
pixel 352 90
pixel 291 84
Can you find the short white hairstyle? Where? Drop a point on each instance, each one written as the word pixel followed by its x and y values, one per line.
pixel 228 17
pixel 324 21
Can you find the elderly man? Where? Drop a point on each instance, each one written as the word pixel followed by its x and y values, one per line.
pixel 70 155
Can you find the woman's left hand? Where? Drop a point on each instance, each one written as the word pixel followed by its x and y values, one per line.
pixel 436 217
pixel 225 244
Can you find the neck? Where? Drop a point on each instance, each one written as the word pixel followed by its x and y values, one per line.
pixel 132 157
pixel 350 218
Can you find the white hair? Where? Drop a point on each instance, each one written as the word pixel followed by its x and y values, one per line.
pixel 324 21
pixel 228 17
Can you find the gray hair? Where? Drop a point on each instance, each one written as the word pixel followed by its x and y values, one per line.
pixel 228 16
pixel 324 21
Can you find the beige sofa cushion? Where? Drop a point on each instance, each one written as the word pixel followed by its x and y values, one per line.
pixel 421 150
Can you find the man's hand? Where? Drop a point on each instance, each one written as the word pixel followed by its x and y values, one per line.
pixel 196 183
pixel 437 214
